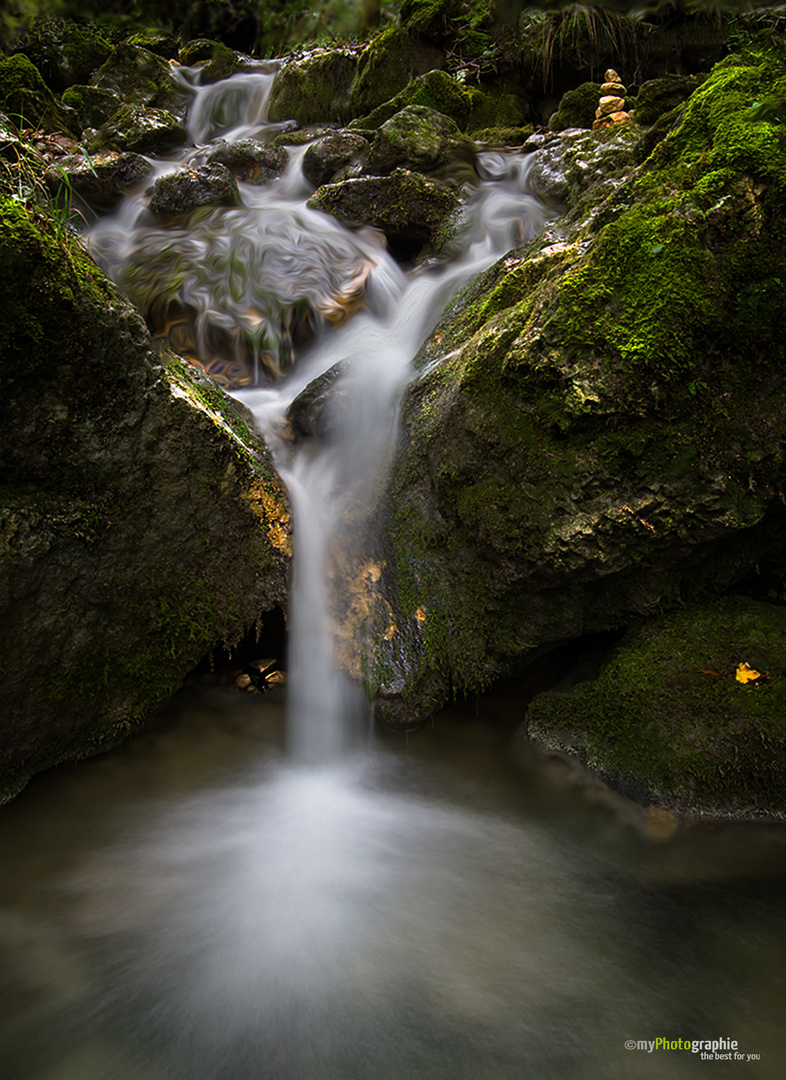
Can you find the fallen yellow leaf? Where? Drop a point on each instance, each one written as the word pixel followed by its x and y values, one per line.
pixel 745 673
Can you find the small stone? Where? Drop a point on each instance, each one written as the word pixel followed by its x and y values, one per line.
pixel 276 677
pixel 261 666
pixel 243 681
pixel 611 76
pixel 609 105
pixel 617 89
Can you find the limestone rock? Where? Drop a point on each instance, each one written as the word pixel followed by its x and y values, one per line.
pixel 141 79
pixel 417 138
pixel 101 181
pixel 314 88
pixel 139 129
pixel 326 156
pixel 248 160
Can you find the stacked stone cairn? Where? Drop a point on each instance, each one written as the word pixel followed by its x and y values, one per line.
pixel 611 109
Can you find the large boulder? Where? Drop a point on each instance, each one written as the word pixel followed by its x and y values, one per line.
pixel 387 64
pixel 417 138
pixel 141 522
pixel 314 88
pixel 598 422
pixel 28 101
pixel 63 51
pixel 186 189
pixel 140 129
pixel 98 182
pixel 141 78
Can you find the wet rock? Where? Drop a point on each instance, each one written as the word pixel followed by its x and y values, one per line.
pixel 435 90
pixel 64 52
pixel 93 105
pixel 325 157
pixel 314 410
pixel 413 211
pixel 141 522
pixel 314 88
pixel 141 79
pixel 417 138
pixel 567 167
pixel 216 60
pixel 386 65
pixel 142 130
pixel 576 108
pixel 250 161
pixel 185 190
pixel 28 101
pixel 666 721
pixel 100 181
pixel 502 136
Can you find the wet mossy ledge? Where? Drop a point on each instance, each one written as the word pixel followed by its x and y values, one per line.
pixel 141 522
pixel 689 713
pixel 597 428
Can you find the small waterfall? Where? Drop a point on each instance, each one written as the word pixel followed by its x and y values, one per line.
pixel 272 288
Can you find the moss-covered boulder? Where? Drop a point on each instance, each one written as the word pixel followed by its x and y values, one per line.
pixel 142 79
pixel 248 160
pixel 415 213
pixel 28 101
pixel 141 523
pixel 215 60
pixel 669 719
pixel 93 105
pixel 314 88
pixel 572 163
pixel 659 96
pixel 436 90
pixel 141 130
pixel 163 43
pixel 417 138
pixel 577 107
pixel 598 425
pixel 387 64
pixel 64 52
pixel 99 182
pixel 325 157
pixel 182 191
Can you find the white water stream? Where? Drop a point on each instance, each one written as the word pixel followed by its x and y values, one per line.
pixel 204 905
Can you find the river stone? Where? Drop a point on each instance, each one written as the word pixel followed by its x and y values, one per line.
pixel 250 161
pixel 142 79
pixel 325 157
pixel 100 181
pixel 141 521
pixel 64 52
pixel 185 190
pixel 215 60
pixel 387 64
pixel 142 130
pixel 565 168
pixel 667 721
pixel 416 138
pixel 314 88
pixel 412 210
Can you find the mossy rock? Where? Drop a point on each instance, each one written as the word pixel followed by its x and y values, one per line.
pixel 598 424
pixel 577 108
pixel 185 190
pixel 99 182
pixel 314 89
pixel 93 105
pixel 417 138
pixel 413 211
pixel 141 523
pixel 248 160
pixel 140 78
pixel 435 90
pixel 659 96
pixel 502 136
pixel 64 52
pixel 215 60
pixel 668 721
pixel 570 165
pixel 163 43
pixel 141 130
pixel 325 157
pixel 28 101
pixel 386 66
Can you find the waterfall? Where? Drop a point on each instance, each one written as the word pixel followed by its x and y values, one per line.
pixel 243 276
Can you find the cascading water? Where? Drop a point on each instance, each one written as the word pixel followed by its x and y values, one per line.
pixel 202 906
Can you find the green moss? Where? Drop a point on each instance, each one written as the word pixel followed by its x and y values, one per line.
pixel 26 98
pixel 577 107
pixel 63 51
pixel 387 64
pixel 668 714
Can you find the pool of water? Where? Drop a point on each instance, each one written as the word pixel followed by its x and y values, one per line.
pixel 447 904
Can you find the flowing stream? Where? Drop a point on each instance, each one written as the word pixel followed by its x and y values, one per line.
pixel 255 888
